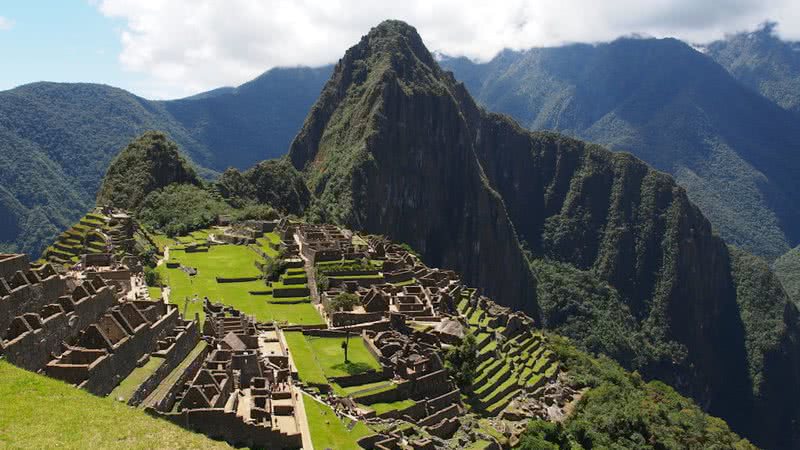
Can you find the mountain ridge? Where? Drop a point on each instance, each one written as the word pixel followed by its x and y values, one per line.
pixel 671 106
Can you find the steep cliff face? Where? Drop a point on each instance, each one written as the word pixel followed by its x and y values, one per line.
pixel 733 151
pixel 389 151
pixel 395 146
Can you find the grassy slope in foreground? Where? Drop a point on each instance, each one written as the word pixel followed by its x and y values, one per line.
pixel 39 412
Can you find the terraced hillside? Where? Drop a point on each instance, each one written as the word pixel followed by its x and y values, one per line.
pixel 92 234
pixel 508 364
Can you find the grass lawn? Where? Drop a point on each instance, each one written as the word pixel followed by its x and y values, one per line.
pixel 161 241
pixel 155 292
pixel 132 382
pixel 372 388
pixel 328 431
pixel 318 358
pixel 39 412
pixel 330 356
pixel 229 261
pixel 303 356
pixel 381 408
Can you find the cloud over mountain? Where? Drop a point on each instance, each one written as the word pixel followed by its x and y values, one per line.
pixel 187 46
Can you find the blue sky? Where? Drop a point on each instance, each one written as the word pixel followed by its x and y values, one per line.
pixel 67 40
pixel 173 48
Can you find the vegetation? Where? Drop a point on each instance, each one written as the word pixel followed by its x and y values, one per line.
pixel 178 209
pixel 731 155
pixel 40 412
pixel 328 429
pixel 275 182
pixel 150 162
pixel 787 268
pixel 342 302
pixel 229 261
pixel 319 358
pixel 761 60
pixel 462 362
pixel 622 411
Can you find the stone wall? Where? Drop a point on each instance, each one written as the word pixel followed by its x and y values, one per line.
pixel 33 348
pixel 185 342
pixel 11 263
pixel 20 294
pixel 222 425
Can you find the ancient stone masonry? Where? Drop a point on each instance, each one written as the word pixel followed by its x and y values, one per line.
pixel 82 328
pixel 103 230
pixel 243 391
pixel 408 314
pixel 110 349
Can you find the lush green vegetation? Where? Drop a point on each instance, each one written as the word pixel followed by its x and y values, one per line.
pixel 275 182
pixel 150 162
pixel 178 209
pixel 328 430
pixel 620 410
pixel 787 268
pixel 40 412
pixel 319 358
pixel 579 304
pixel 727 147
pixel 343 302
pixel 229 261
pixel 462 361
pixel 761 60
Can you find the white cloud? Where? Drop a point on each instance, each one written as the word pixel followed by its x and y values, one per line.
pixel 6 24
pixel 185 46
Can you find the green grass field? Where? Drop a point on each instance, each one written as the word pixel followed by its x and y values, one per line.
pixel 328 431
pixel 303 356
pixel 320 358
pixel 381 408
pixel 39 412
pixel 229 261
pixel 155 292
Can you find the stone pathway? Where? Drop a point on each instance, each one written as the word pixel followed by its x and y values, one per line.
pixel 302 419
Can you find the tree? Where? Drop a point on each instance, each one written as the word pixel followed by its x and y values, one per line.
pixel 342 302
pixel 462 361
pixel 542 435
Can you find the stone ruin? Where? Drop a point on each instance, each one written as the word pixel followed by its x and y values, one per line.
pixel 241 389
pixel 82 330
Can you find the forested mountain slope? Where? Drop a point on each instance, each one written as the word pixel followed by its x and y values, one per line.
pixel 761 60
pixel 736 153
pixel 396 146
pixel 58 139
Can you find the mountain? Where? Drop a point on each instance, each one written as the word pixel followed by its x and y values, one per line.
pixel 764 62
pixel 149 163
pixel 734 151
pixel 787 268
pixel 58 139
pixel 254 121
pixel 396 146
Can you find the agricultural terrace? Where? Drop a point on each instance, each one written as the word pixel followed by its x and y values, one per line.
pixel 523 361
pixel 252 297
